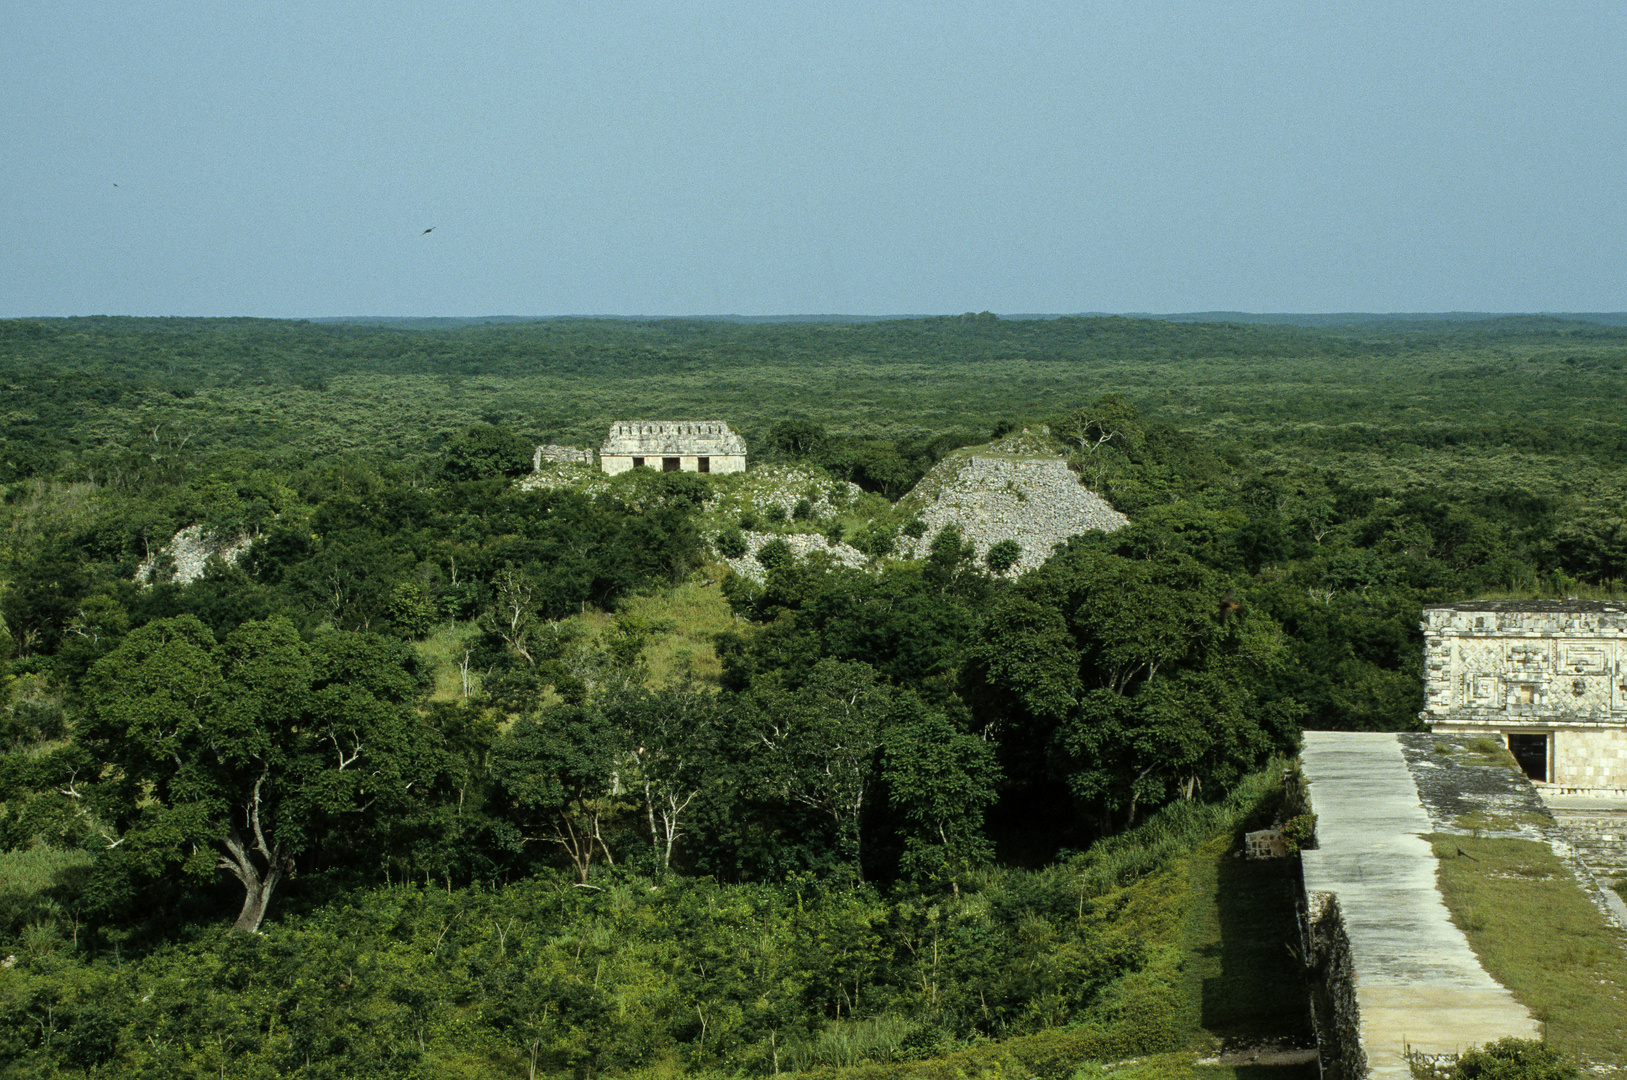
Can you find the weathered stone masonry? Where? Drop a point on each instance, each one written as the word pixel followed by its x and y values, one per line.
pixel 1548 678
pixel 1326 949
pixel 556 455
pixel 706 446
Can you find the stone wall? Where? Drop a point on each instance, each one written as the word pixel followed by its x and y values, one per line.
pixel 1594 835
pixel 1587 758
pixel 1326 949
pixel 615 464
pixel 634 443
pixel 555 455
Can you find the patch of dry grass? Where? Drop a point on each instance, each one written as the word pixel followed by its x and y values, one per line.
pixel 1480 821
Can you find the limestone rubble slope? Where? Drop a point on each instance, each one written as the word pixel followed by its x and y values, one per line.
pixel 994 495
pixel 191 549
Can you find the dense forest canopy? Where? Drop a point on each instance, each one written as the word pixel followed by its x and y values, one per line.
pixel 77 386
pixel 929 792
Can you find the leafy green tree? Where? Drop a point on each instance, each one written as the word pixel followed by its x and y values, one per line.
pixel 822 739
pixel 875 539
pixel 558 770
pixel 41 600
pixel 1104 432
pixel 798 438
pixel 513 612
pixel 951 565
pixel 941 781
pixel 1130 680
pixel 674 735
pixel 1593 548
pixel 238 756
pixel 484 451
pixel 412 609
pixel 1003 555
pixel 776 554
pixel 873 464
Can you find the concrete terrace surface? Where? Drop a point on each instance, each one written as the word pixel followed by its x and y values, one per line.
pixel 1417 982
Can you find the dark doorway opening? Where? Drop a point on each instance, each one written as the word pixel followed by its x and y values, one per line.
pixel 669 464
pixel 638 463
pixel 703 464
pixel 1531 751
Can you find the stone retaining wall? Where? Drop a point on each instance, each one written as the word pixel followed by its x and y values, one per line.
pixel 1333 988
pixel 1599 838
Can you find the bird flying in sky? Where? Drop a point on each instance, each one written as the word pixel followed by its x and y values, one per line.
pixel 427 231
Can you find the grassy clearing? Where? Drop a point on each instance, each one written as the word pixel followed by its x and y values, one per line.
pixel 37 887
pixel 445 650
pixel 37 869
pixel 1537 933
pixel 683 621
pixel 688 617
pixel 697 612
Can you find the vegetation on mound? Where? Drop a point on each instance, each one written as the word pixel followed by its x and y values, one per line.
pixel 1505 1059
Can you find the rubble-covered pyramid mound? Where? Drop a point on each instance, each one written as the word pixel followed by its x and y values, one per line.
pixel 1010 490
pixel 185 557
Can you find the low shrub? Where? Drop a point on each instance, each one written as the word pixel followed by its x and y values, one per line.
pixel 1003 556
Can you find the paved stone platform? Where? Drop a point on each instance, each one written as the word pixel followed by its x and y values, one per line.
pixel 1417 982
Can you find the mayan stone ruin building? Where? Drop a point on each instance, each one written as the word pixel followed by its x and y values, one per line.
pixel 706 446
pixel 1546 677
pixel 559 455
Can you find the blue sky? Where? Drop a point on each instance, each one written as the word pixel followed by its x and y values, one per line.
pixel 283 159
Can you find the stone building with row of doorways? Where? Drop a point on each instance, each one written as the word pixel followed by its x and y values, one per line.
pixel 701 446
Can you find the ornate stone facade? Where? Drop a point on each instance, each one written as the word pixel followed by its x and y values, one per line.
pixel 706 446
pixel 1548 678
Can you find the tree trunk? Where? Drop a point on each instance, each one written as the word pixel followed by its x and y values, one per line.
pixel 256 898
pixel 258 886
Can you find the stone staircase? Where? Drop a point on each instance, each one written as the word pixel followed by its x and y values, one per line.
pixel 1598 835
